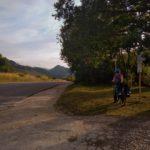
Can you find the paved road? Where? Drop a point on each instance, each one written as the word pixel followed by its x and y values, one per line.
pixel 17 91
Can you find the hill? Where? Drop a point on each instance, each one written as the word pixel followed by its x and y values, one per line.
pixel 27 69
pixel 59 72
pixel 7 65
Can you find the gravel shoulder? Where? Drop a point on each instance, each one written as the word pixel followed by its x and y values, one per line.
pixel 33 124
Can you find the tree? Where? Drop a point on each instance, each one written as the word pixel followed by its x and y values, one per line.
pixel 4 65
pixel 96 31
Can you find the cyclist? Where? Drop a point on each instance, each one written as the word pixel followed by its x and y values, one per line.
pixel 118 81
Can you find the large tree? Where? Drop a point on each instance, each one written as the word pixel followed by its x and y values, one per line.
pixel 93 33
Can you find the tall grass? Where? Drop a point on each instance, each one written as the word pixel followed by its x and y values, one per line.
pixel 146 75
pixel 21 77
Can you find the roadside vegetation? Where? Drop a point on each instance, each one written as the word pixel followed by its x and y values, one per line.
pixel 22 77
pixel 14 73
pixel 94 100
pixel 146 76
pixel 98 37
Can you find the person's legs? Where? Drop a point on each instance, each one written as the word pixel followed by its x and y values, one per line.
pixel 115 93
pixel 119 85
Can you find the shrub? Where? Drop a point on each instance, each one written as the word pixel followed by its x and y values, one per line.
pixel 146 76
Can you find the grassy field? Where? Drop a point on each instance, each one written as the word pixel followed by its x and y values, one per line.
pixel 21 77
pixel 93 100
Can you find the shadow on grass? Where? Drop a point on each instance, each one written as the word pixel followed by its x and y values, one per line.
pixel 94 100
pixel 86 103
pixel 101 109
pixel 85 100
pixel 132 103
pixel 144 89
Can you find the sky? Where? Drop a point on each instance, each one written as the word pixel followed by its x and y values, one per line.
pixel 28 32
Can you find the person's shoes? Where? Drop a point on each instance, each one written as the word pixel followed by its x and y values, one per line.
pixel 123 105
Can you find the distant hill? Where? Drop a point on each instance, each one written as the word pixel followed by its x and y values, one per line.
pixel 7 65
pixel 59 72
pixel 28 69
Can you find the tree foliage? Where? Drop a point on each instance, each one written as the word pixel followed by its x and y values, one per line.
pixel 98 30
pixel 4 65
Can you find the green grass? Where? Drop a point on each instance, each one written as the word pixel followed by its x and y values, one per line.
pixel 94 100
pixel 21 77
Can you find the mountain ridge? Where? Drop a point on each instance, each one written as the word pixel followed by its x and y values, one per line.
pixel 59 71
pixel 11 66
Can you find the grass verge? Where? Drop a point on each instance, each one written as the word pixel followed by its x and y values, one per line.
pixel 21 77
pixel 94 100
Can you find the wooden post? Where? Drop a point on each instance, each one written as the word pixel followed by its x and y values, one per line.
pixel 140 91
pixel 131 84
pixel 140 60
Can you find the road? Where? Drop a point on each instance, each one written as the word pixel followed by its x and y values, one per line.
pixel 12 92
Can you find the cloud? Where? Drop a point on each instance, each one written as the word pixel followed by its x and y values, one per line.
pixel 28 32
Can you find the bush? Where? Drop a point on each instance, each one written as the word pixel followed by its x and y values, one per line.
pixel 70 78
pixel 101 74
pixel 146 76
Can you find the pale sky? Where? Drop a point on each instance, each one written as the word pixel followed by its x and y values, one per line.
pixel 28 32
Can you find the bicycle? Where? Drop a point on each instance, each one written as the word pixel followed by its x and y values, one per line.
pixel 120 94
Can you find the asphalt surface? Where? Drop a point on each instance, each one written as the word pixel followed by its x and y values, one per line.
pixel 11 92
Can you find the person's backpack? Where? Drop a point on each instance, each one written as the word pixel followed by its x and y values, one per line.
pixel 117 78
